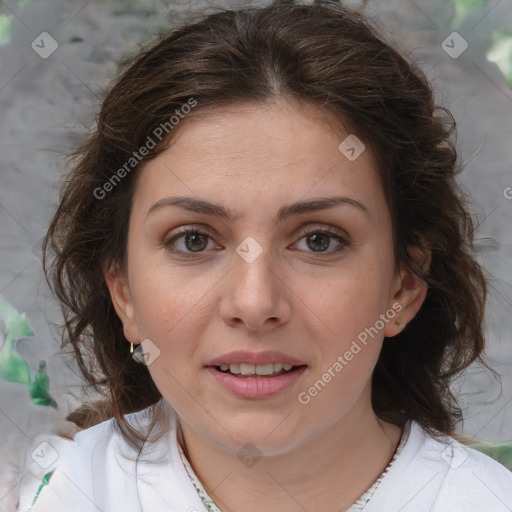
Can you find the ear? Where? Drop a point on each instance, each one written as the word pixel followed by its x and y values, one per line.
pixel 410 292
pixel 120 293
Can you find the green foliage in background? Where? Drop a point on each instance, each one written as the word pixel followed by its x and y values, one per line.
pixel 5 28
pixel 13 367
pixel 498 450
pixel 463 8
pixel 501 53
pixel 6 22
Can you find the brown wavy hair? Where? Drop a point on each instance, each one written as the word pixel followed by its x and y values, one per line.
pixel 336 60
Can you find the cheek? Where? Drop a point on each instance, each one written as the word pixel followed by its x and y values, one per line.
pixel 346 316
pixel 173 313
pixel 174 320
pixel 168 298
pixel 170 316
pixel 348 299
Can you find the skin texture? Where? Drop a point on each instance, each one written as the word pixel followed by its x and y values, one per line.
pixel 310 305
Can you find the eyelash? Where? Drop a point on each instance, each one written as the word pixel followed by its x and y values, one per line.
pixel 333 233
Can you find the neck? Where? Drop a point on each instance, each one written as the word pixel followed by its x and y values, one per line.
pixel 337 467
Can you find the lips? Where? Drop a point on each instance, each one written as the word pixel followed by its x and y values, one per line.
pixel 255 358
pixel 256 386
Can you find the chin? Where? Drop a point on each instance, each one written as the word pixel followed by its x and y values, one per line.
pixel 260 437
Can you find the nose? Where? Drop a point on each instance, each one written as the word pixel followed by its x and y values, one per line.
pixel 255 295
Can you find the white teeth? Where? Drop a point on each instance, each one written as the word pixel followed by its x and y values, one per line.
pixel 247 369
pixel 265 369
pixel 258 369
pixel 234 368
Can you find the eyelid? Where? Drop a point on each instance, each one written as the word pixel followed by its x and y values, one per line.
pixel 325 228
pixel 183 230
pixel 187 228
pixel 339 235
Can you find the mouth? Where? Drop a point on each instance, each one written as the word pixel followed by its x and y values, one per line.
pixel 263 371
pixel 256 381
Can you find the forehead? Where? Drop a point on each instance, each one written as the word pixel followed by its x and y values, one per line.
pixel 285 129
pixel 253 151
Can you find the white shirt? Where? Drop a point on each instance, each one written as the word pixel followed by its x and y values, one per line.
pixel 97 471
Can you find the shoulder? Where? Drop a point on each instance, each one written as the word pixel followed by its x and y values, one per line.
pixel 439 473
pixel 62 472
pixel 472 479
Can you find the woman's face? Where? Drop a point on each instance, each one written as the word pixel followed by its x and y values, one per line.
pixel 292 253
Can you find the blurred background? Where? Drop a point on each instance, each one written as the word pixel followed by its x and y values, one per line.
pixel 57 57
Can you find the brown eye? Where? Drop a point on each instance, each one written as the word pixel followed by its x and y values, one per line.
pixel 196 241
pixel 323 241
pixel 318 241
pixel 188 242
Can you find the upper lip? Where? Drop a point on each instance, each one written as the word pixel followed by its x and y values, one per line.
pixel 256 358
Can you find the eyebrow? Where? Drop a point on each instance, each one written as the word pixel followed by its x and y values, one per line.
pixel 200 206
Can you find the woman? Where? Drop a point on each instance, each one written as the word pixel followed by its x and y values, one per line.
pixel 268 211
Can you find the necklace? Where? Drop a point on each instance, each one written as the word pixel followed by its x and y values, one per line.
pixel 358 506
pixel 205 498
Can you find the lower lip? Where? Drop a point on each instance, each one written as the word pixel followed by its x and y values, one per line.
pixel 256 387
